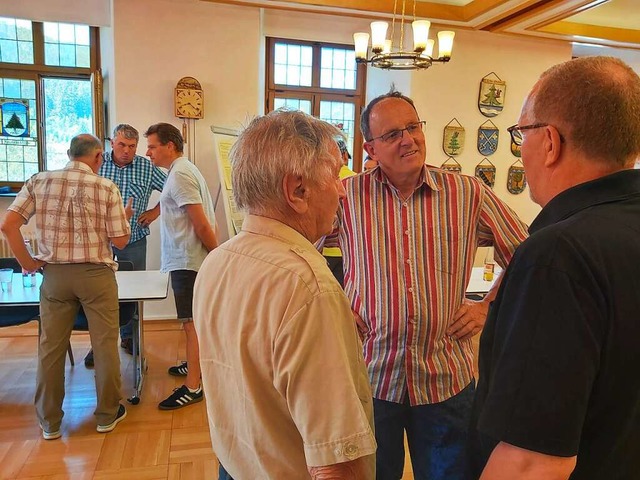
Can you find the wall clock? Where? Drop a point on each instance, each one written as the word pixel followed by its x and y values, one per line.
pixel 189 98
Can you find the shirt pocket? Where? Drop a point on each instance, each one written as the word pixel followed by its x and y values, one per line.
pixel 138 192
pixel 450 258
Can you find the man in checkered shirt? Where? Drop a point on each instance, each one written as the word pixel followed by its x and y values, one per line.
pixel 137 178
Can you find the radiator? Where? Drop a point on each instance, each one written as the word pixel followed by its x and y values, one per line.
pixel 5 251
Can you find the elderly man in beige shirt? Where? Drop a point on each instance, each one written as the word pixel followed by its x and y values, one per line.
pixel 282 369
pixel 78 217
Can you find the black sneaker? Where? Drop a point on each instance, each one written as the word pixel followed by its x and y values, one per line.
pixel 127 345
pixel 122 413
pixel 181 397
pixel 179 370
pixel 88 360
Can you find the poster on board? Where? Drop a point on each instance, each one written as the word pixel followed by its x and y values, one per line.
pixel 224 139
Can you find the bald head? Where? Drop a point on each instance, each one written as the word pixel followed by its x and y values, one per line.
pixel 595 104
pixel 87 149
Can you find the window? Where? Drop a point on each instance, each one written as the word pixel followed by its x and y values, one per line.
pixel 319 79
pixel 46 94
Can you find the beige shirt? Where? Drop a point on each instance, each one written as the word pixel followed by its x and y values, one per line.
pixel 76 211
pixel 282 365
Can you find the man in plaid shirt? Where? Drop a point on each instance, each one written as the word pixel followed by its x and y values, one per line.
pixel 79 216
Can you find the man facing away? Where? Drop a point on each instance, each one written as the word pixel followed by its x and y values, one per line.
pixel 79 216
pixel 333 254
pixel 136 178
pixel 282 367
pixel 408 234
pixel 559 390
pixel 187 235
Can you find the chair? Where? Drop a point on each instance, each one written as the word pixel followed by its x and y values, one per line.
pixel 11 316
pixel 127 309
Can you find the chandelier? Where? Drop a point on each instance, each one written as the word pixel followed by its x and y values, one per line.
pixel 390 55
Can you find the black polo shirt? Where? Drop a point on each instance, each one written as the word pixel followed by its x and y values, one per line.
pixel 560 351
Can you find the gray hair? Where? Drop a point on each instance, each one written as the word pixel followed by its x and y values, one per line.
pixel 278 144
pixel 594 102
pixel 83 145
pixel 127 132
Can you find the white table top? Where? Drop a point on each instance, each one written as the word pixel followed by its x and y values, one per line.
pixel 132 286
pixel 477 285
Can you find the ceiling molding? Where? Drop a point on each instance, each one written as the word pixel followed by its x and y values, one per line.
pixel 537 18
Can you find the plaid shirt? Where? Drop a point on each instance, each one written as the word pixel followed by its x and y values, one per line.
pixel 138 179
pixel 407 264
pixel 76 211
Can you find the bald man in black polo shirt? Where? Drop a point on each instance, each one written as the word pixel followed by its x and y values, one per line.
pixel 559 390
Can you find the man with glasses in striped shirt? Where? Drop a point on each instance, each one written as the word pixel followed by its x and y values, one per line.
pixel 409 234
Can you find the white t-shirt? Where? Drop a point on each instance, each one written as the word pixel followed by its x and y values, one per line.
pixel 181 247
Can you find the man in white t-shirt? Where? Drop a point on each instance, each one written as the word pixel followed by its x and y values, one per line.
pixel 187 230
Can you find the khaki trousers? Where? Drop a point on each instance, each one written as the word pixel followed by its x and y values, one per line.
pixel 64 289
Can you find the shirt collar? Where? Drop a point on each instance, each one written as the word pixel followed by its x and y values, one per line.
pixel 610 188
pixel 276 229
pixel 75 165
pixel 176 161
pixel 108 157
pixel 428 177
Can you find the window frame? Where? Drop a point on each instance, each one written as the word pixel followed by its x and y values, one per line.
pixel 315 92
pixel 38 71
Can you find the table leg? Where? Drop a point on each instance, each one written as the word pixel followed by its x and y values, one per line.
pixel 140 364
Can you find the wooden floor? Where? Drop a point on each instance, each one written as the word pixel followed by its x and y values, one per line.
pixel 148 444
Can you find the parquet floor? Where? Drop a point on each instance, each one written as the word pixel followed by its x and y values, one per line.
pixel 148 444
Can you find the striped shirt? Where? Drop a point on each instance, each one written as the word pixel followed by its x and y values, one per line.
pixel 137 179
pixel 407 264
pixel 76 211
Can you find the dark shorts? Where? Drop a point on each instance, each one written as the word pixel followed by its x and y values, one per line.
pixel 182 282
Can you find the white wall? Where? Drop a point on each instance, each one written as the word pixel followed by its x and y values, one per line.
pixel 447 91
pixel 156 43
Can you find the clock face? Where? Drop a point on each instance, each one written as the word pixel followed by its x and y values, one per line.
pixel 189 103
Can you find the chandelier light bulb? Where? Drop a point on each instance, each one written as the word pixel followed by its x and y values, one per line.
pixel 420 34
pixel 429 50
pixel 387 47
pixel 378 35
pixel 445 43
pixel 361 41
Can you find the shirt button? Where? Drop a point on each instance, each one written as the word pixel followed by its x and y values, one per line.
pixel 406 232
pixel 408 261
pixel 410 289
pixel 350 450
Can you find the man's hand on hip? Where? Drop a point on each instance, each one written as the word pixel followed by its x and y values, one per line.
pixel 468 319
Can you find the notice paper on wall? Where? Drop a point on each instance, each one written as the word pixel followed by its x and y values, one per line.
pixel 224 139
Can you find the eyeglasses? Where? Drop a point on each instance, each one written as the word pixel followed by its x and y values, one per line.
pixel 516 131
pixel 393 136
